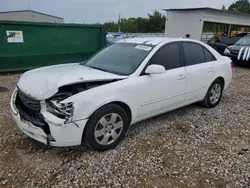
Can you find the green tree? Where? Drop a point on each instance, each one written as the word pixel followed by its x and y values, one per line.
pixel 242 6
pixel 111 26
pixel 156 22
pixel 141 24
pixel 216 28
pixel 129 25
pixel 223 7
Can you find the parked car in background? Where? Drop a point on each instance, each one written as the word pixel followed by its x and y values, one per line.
pixel 240 52
pixel 113 38
pixel 95 102
pixel 221 45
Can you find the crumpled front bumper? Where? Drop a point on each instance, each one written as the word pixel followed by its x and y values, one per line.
pixel 61 134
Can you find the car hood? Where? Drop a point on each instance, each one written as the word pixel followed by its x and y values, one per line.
pixel 235 48
pixel 44 82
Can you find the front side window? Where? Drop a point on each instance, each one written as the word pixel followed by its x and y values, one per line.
pixel 193 53
pixel 167 56
pixel 119 58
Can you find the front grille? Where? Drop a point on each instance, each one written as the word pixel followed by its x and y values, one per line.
pixel 235 52
pixel 29 109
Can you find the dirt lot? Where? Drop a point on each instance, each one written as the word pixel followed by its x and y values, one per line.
pixel 189 147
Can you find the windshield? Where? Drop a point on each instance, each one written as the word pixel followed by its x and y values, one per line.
pixel 119 58
pixel 245 41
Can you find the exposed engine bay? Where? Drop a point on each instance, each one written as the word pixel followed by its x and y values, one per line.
pixel 70 90
pixel 66 110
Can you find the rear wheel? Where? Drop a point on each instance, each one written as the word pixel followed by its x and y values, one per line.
pixel 106 128
pixel 213 95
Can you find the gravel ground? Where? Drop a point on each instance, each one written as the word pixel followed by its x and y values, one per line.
pixel 189 147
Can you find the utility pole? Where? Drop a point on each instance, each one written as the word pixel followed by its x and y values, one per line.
pixel 119 22
pixel 28 4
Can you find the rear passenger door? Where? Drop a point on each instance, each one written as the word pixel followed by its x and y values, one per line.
pixel 199 63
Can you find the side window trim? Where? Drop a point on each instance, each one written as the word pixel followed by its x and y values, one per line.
pixel 182 64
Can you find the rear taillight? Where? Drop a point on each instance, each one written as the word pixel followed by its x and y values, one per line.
pixel 232 65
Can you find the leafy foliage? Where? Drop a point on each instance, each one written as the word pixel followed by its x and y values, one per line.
pixel 223 7
pixel 242 6
pixel 154 23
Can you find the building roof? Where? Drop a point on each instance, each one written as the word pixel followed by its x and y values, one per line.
pixel 205 8
pixel 31 11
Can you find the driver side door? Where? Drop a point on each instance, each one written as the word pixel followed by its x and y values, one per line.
pixel 162 92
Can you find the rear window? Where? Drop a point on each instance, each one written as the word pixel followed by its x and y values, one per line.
pixel 208 55
pixel 194 53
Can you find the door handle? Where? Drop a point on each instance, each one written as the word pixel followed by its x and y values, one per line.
pixel 181 77
pixel 211 70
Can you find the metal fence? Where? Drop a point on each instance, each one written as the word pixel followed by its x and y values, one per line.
pixel 27 45
pixel 205 37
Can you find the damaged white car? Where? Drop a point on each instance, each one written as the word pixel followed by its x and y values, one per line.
pixel 96 101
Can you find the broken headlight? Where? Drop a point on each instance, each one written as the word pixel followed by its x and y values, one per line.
pixel 61 110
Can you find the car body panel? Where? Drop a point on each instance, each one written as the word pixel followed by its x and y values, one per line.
pixel 51 78
pixel 238 53
pixel 155 93
pixel 145 95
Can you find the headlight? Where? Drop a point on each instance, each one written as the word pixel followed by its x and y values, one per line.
pixel 227 51
pixel 61 110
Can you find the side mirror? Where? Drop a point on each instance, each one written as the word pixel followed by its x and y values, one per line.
pixel 155 69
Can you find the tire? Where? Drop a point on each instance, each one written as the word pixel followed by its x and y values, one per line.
pixel 209 101
pixel 106 128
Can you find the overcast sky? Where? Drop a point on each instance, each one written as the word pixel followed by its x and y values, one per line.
pixel 99 11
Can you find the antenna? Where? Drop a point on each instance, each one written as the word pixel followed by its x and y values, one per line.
pixel 28 4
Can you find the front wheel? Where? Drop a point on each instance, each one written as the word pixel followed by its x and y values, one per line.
pixel 106 127
pixel 213 95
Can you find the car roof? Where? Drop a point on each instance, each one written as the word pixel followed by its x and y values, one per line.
pixel 152 40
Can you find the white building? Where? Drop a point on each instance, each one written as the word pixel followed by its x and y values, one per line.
pixel 29 16
pixel 190 21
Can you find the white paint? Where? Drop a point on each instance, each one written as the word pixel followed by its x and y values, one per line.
pixel 240 52
pixel 146 96
pixel 51 78
pixel 14 36
pixel 155 69
pixel 245 54
pixel 248 55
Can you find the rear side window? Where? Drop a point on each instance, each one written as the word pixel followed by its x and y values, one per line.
pixel 194 53
pixel 168 56
pixel 208 55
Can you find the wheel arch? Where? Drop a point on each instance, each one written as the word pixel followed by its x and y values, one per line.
pixel 120 103
pixel 123 105
pixel 221 79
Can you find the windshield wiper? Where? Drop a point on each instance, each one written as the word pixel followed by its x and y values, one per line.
pixel 97 68
pixel 83 63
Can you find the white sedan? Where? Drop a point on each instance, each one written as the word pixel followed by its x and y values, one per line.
pixel 95 102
